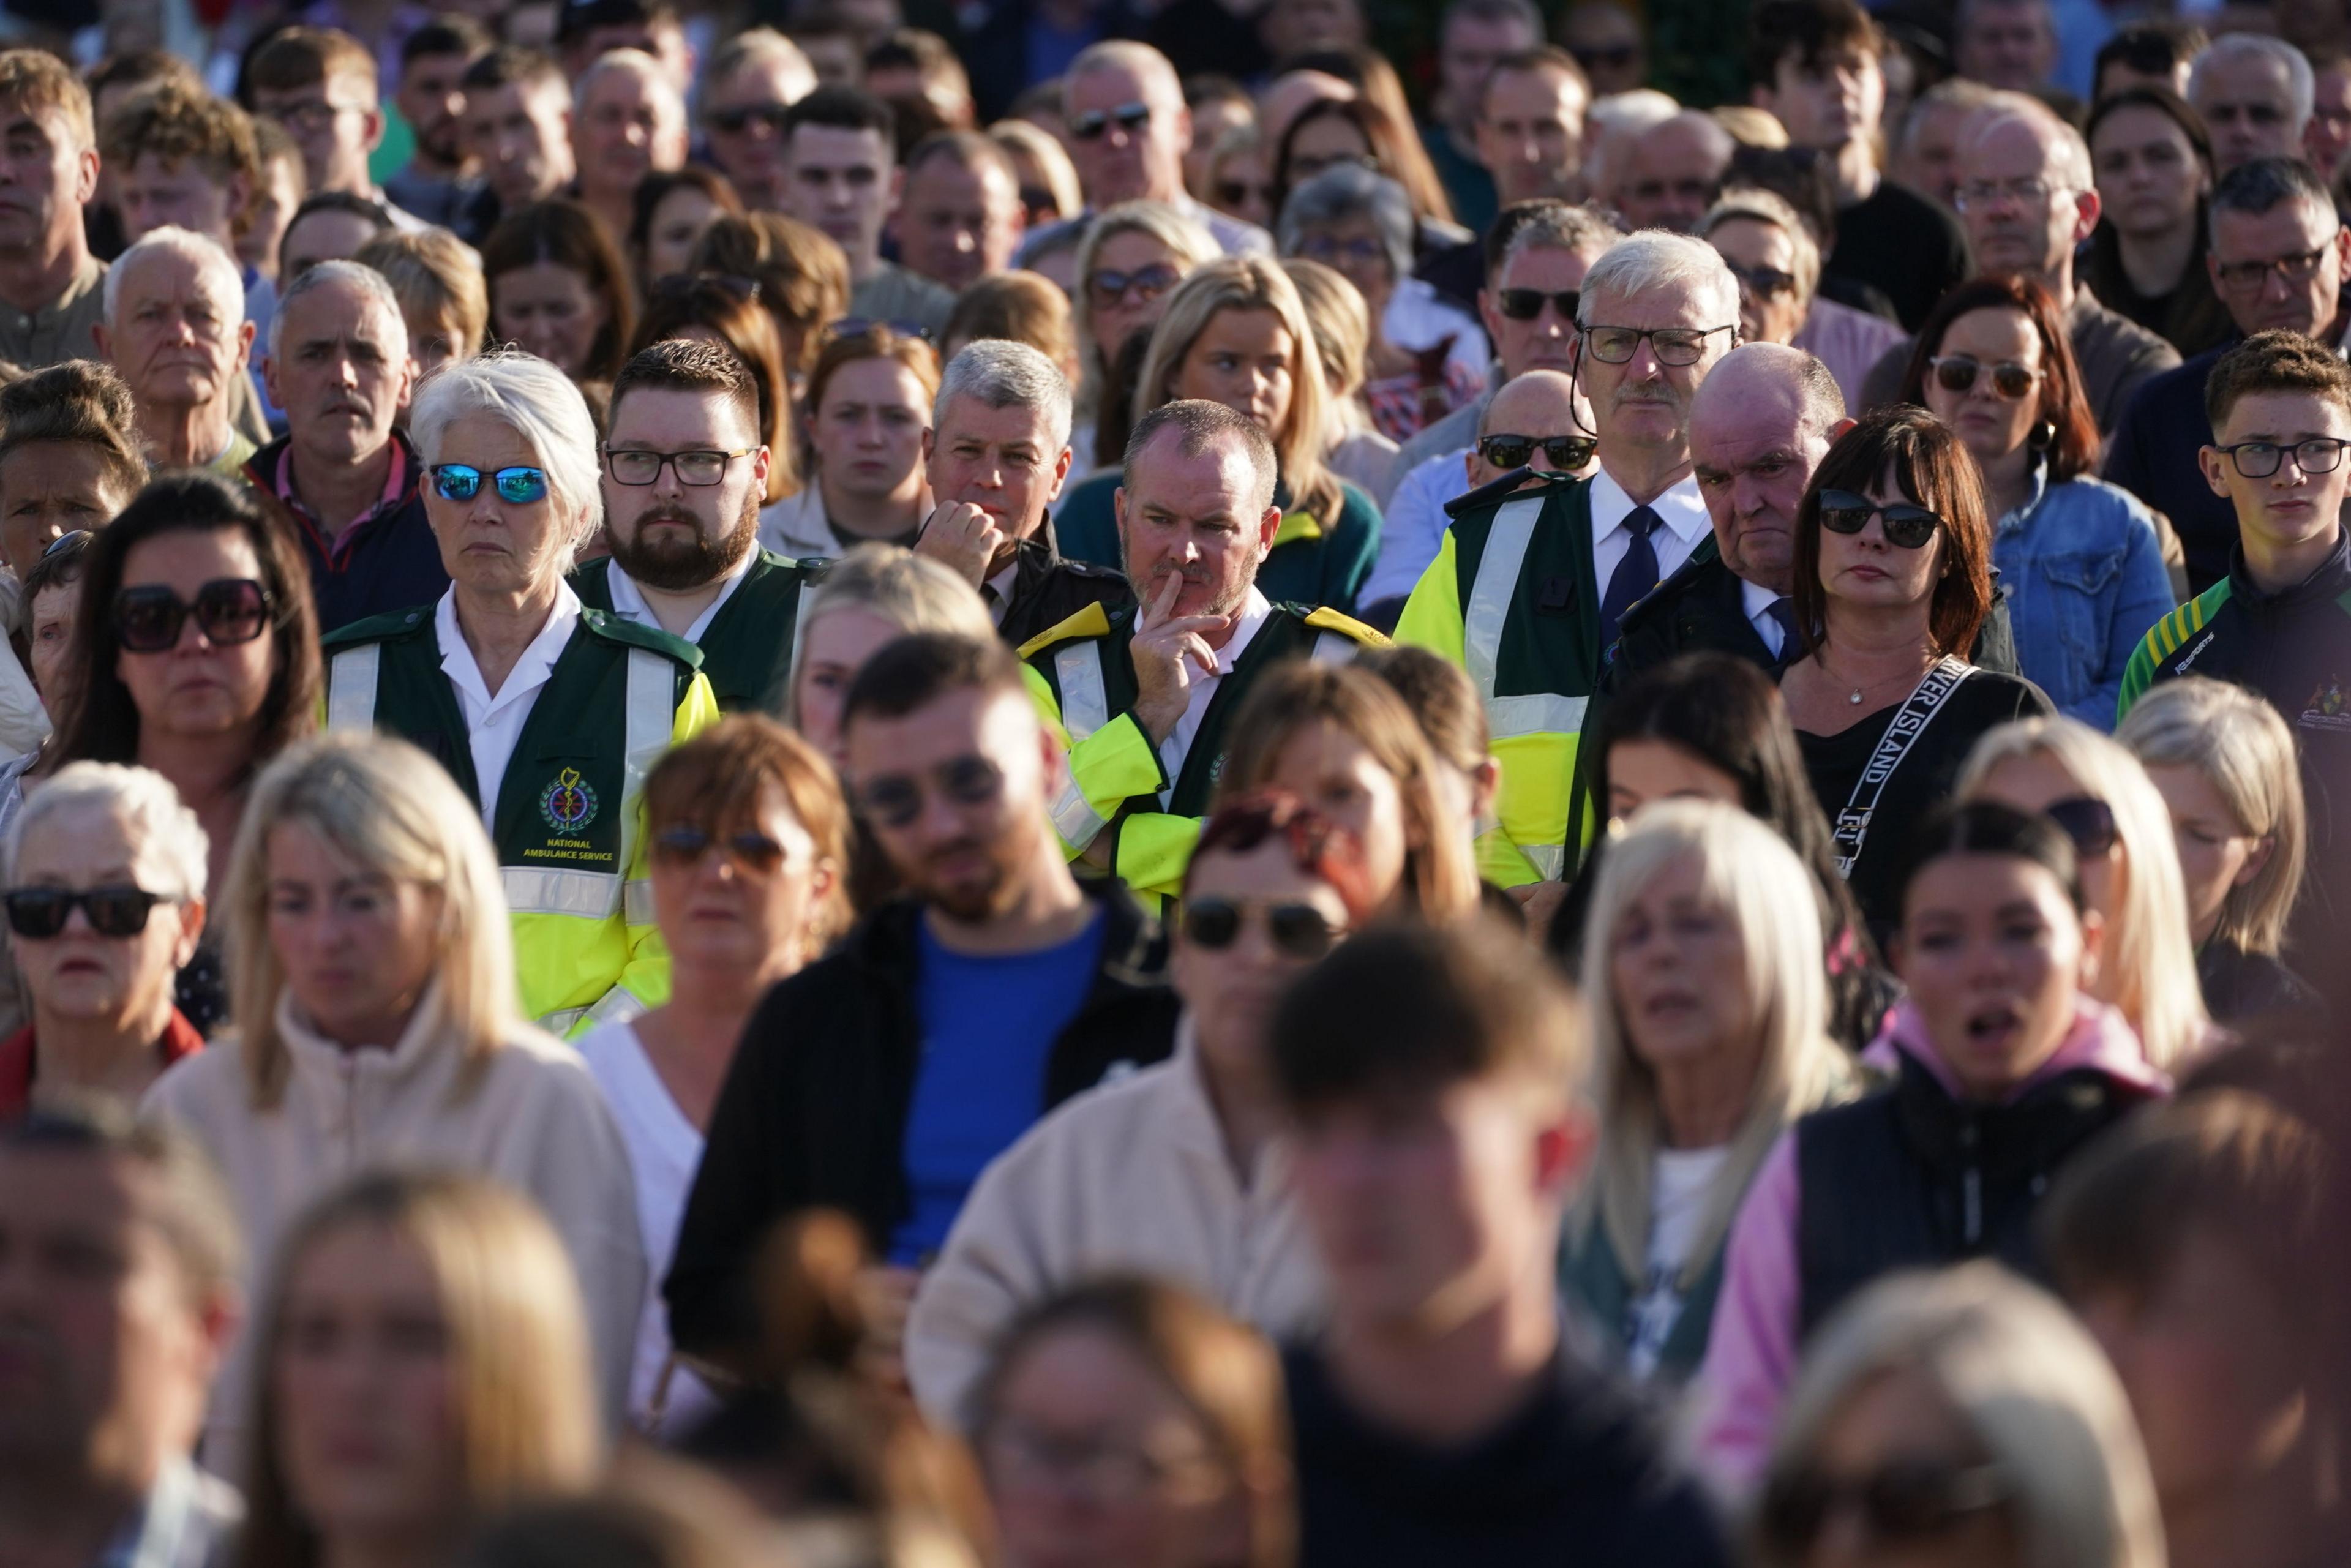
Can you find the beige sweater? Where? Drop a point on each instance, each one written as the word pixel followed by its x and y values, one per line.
pixel 1132 1176
pixel 536 1121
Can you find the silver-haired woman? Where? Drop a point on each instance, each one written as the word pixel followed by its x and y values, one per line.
pixel 546 714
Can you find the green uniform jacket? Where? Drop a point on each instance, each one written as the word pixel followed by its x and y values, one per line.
pixel 1083 679
pixel 750 646
pixel 1510 598
pixel 570 813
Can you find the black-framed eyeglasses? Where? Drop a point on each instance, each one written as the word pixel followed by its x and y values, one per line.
pixel 2088 822
pixel 1902 1502
pixel 1958 373
pixel 1527 304
pixel 1909 526
pixel 1129 116
pixel 229 610
pixel 630 465
pixel 1297 930
pixel 1763 282
pixel 1111 287
pixel 2260 459
pixel 119 910
pixel 896 800
pixel 1566 452
pixel 519 484
pixel 1672 345
pixel 2244 277
pixel 734 121
pixel 685 844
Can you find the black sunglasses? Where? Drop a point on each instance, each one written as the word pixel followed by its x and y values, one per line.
pixel 896 800
pixel 1089 125
pixel 1298 930
pixel 229 609
pixel 1526 304
pixel 1904 1502
pixel 1765 282
pixel 1843 512
pixel 732 120
pixel 2088 822
pixel 1567 452
pixel 41 912
pixel 683 846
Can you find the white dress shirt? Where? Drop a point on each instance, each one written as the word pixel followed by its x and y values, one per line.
pixel 1757 602
pixel 1179 744
pixel 494 724
pixel 1681 508
pixel 628 599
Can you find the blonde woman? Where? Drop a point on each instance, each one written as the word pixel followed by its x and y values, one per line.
pixel 1236 332
pixel 2225 762
pixel 1709 1004
pixel 422 1363
pixel 1131 257
pixel 1342 324
pixel 875 595
pixel 1964 1414
pixel 2121 827
pixel 372 970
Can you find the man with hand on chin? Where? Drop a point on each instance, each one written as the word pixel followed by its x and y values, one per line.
pixel 997 454
pixel 1142 697
pixel 685 471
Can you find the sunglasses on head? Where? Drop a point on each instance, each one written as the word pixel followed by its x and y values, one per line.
pixel 733 121
pixel 1296 930
pixel 1089 126
pixel 1906 1502
pixel 42 912
pixel 148 619
pixel 1956 373
pixel 1843 512
pixel 1566 452
pixel 460 482
pixel 896 800
pixel 2088 822
pixel 1526 304
pixel 684 845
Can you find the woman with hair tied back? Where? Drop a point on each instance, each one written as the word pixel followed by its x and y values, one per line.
pixel 1342 325
pixel 2081 557
pixel 2223 760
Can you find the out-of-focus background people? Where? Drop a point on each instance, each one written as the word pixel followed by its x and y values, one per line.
pixel 559 289
pixel 51 284
pixel 1773 252
pixel 69 457
pixel 872 597
pixel 959 216
pixel 321 85
pixel 440 179
pixel 841 178
pixel 2153 162
pixel 748 82
pixel 2256 94
pixel 443 301
pixel 1342 325
pixel 628 120
pixel 1132 256
pixel 518 130
pixel 866 411
pixel 174 328
pixel 330 225
pixel 670 211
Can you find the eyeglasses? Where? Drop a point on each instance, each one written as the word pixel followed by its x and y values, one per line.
pixel 896 800
pixel 1672 345
pixel 1089 126
pixel 686 846
pixel 1907 1502
pixel 1020 1455
pixel 1956 373
pixel 229 610
pixel 1298 930
pixel 1109 287
pixel 2245 276
pixel 1567 452
pixel 1241 192
pixel 459 482
pixel 2088 822
pixel 1331 252
pixel 858 326
pixel 2260 459
pixel 2029 192
pixel 117 910
pixel 732 122
pixel 1765 282
pixel 1843 512
pixel 1527 304
pixel 630 466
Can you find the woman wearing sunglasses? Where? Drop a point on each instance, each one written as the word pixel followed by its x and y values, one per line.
pixel 2095 789
pixel 1892 578
pixel 198 657
pixel 2002 1066
pixel 1958 1420
pixel 2080 558
pixel 751 844
pixel 1176 1170
pixel 1133 255
pixel 546 714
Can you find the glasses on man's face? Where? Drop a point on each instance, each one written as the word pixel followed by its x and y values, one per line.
pixel 1297 930
pixel 1672 345
pixel 1958 373
pixel 2246 277
pixel 1565 452
pixel 896 800
pixel 1527 304
pixel 229 610
pixel 1763 282
pixel 2260 459
pixel 734 121
pixel 1127 117
pixel 2088 822
pixel 1982 196
pixel 462 482
pixel 1232 194
pixel 1145 284
pixel 632 465
pixel 1908 526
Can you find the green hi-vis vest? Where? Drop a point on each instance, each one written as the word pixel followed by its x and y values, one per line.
pixel 568 819
pixel 1082 680
pixel 752 645
pixel 1511 599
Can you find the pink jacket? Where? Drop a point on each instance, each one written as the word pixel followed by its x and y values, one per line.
pixel 1750 1358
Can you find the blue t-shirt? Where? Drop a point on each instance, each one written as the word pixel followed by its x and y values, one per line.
pixel 988 1024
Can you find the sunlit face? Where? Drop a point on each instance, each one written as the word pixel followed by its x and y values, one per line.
pixel 839 180
pixel 358 947
pixel 1231 991
pixel 1130 255
pixel 1990 424
pixel 1994 956
pixel 336 122
pixel 2009 230
pixel 679 221
pixel 1930 153
pixel 629 125
pixel 82 975
pixel 521 135
pixel 178 335
pixel 751 153
pixel 669 534
pixel 1547 341
pixel 2216 854
pixel 869 431
pixel 1771 305
pixel 1647 768
pixel 1827 103
pixel 1194 518
pixel 155 191
pixel 1678 963
pixel 957 225
pixel 551 310
pixel 1126 164
pixel 833 648
pixel 490 545
pixel 1001 460
pixel 2149 178
pixel 966 853
pixel 1871 569
pixel 272 209
pixel 2248 105
pixel 724 915
pixel 1531 134
pixel 2291 232
pixel 2290 508
pixel 1333 771
pixel 1753 456
pixel 49 489
pixel 441 340
pixel 195 686
pixel 1246 359
pixel 1899 1419
pixel 1644 402
pixel 1672 175
pixel 341 373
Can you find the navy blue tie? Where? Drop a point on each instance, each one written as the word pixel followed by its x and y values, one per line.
pixel 1634 575
pixel 1783 611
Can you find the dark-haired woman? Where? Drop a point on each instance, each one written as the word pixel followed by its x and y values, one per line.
pixel 2080 556
pixel 727 311
pixel 1893 578
pixel 2152 159
pixel 671 211
pixel 559 289
pixel 198 657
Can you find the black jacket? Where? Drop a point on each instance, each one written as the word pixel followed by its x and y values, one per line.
pixel 814 1109
pixel 388 561
pixel 1048 587
pixel 2152 454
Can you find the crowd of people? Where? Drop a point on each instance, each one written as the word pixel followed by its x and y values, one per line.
pixel 1202 784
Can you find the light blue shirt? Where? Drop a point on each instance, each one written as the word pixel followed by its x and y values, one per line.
pixel 1413 525
pixel 2086 580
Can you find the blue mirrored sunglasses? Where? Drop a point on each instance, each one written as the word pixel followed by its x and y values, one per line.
pixel 457 482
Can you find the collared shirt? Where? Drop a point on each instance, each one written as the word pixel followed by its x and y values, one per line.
pixel 1680 508
pixel 999 592
pixel 628 599
pixel 59 331
pixel 796 528
pixel 1179 744
pixel 494 724
pixel 395 489
pixel 1757 602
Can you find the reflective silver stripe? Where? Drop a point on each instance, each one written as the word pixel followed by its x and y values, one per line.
pixel 618 1003
pixel 1548 859
pixel 558 1022
pixel 653 715
pixel 1497 585
pixel 637 903
pixel 1074 817
pixel 1334 648
pixel 590 895
pixel 1085 707
pixel 1536 713
pixel 350 688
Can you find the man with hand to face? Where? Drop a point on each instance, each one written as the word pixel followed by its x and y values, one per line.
pixel 997 452
pixel 176 329
pixel 1143 697
pixel 685 471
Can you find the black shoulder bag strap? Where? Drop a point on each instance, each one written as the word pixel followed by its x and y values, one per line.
pixel 1926 701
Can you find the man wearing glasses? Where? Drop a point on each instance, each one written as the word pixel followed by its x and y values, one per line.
pixel 751 80
pixel 320 85
pixel 2278 259
pixel 685 471
pixel 1530 588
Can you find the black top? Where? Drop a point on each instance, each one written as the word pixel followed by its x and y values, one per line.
pixel 1925 779
pixel 1577 1476
pixel 1903 244
pixel 2242 987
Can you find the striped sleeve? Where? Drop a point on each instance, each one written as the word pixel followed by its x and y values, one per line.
pixel 2164 639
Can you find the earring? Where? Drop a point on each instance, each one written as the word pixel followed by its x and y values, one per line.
pixel 2044 434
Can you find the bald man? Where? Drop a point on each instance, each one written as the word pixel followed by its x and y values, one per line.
pixel 1672 171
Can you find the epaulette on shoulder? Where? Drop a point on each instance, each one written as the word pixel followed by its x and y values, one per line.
pixel 812 567
pixel 613 627
pixel 1087 568
pixel 1093 620
pixel 385 627
pixel 1509 483
pixel 1329 620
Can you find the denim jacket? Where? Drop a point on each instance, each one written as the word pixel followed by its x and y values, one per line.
pixel 2088 580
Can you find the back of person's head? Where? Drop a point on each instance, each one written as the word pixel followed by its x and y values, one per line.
pixel 718 781
pixel 802 276
pixel 909 674
pixel 2277 361
pixel 1020 308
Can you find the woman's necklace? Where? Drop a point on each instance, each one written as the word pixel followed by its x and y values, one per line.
pixel 1854 694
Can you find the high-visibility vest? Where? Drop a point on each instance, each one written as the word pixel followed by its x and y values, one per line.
pixel 752 645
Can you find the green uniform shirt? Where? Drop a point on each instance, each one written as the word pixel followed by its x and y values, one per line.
pixel 749 647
